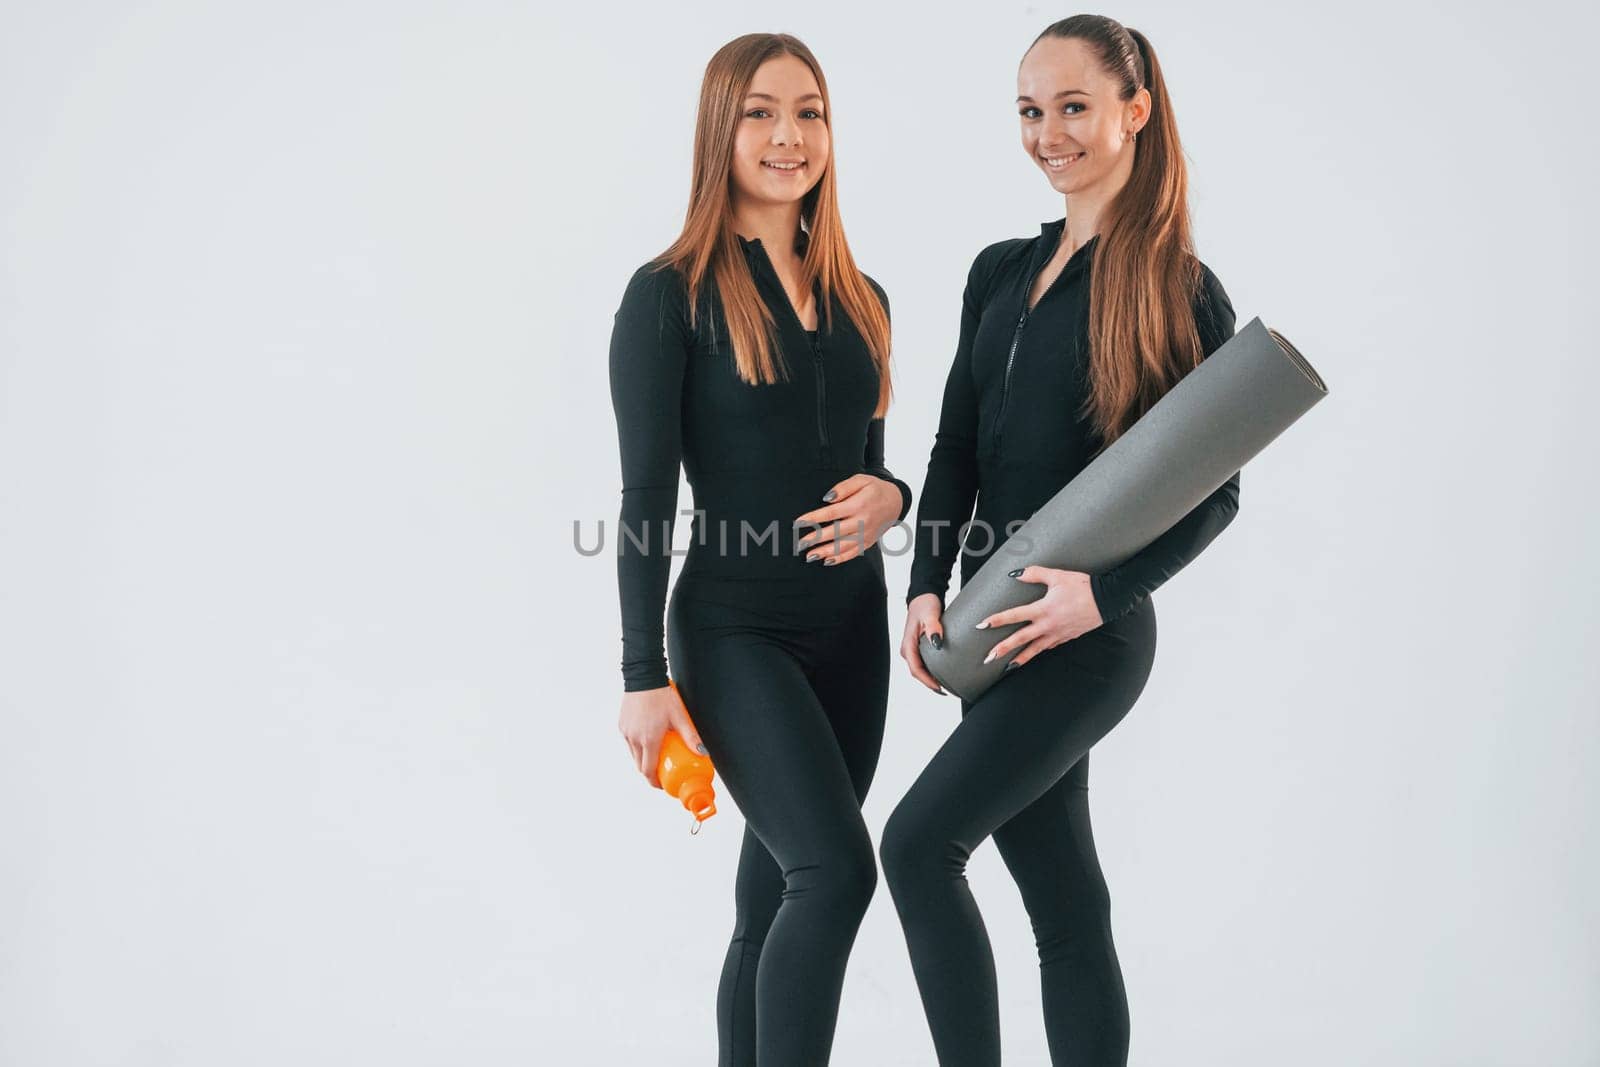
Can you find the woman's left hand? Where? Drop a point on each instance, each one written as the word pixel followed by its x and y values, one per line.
pixel 860 509
pixel 1066 610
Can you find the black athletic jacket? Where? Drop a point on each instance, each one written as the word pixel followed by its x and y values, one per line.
pixel 756 456
pixel 1010 433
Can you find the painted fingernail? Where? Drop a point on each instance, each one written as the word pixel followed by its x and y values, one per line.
pixel 989 657
pixel 1012 664
pixel 830 561
pixel 1014 574
pixel 982 625
pixel 702 750
pixel 831 496
pixel 937 640
pixel 812 559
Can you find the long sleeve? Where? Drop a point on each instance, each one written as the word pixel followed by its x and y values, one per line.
pixel 951 487
pixel 650 346
pixel 1120 589
pixel 872 463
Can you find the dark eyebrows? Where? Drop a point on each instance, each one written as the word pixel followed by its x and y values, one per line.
pixel 1058 96
pixel 769 96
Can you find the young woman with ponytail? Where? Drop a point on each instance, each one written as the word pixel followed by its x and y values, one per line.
pixel 754 353
pixel 1066 339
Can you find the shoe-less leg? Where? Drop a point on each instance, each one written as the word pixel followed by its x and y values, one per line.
pixel 1011 747
pixel 782 765
pixel 1049 849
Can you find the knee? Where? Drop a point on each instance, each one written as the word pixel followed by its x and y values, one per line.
pixel 843 880
pixel 752 916
pixel 911 848
pixel 859 875
pixel 1074 927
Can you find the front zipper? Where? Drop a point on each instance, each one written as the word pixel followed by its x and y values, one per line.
pixel 1016 335
pixel 1011 359
pixel 816 355
pixel 822 391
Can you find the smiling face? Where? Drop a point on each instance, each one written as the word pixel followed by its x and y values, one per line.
pixel 1072 120
pixel 781 145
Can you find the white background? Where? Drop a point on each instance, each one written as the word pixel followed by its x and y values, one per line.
pixel 307 704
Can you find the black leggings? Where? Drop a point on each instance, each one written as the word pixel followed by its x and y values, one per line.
pixel 787 681
pixel 1017 767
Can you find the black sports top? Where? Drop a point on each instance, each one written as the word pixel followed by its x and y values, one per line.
pixel 756 457
pixel 1010 430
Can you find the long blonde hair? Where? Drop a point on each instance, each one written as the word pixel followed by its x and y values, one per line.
pixel 709 244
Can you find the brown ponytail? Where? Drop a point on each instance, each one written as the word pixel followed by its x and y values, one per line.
pixel 1142 333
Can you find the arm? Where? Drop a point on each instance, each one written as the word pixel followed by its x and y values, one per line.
pixel 951 487
pixel 1119 590
pixel 649 350
pixel 872 459
pixel 872 463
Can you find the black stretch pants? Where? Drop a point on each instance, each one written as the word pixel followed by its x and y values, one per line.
pixel 1017 767
pixel 787 680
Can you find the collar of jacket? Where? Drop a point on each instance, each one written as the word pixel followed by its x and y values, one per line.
pixel 755 254
pixel 750 245
pixel 1050 237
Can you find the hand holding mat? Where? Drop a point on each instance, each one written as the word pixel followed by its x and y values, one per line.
pixel 1216 418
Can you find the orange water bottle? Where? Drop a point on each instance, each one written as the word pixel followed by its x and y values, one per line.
pixel 686 774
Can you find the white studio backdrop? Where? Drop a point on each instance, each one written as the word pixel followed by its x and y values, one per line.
pixel 307 702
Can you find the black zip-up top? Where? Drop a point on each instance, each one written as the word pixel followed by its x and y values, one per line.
pixel 1010 430
pixel 756 456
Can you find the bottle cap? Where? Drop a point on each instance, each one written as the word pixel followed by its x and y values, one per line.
pixel 698 798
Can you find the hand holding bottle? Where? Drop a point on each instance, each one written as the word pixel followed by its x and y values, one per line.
pixel 646 717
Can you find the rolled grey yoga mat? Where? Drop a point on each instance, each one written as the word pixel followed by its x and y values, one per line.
pixel 1216 418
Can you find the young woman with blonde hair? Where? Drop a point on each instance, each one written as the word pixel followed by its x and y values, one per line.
pixel 756 354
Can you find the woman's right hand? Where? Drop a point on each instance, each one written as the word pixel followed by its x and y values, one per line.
pixel 646 717
pixel 923 616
